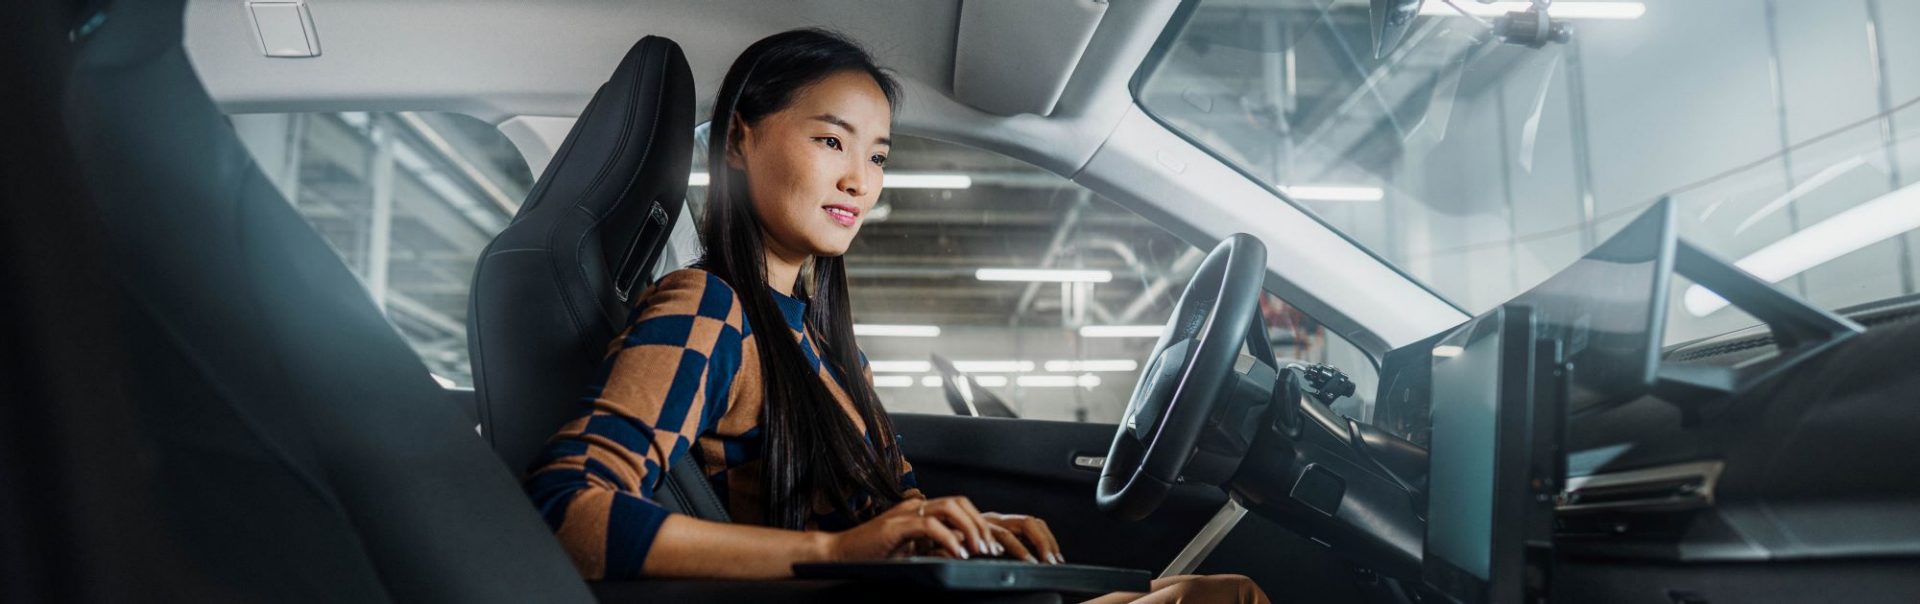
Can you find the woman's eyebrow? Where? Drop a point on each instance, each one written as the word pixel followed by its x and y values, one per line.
pixel 835 120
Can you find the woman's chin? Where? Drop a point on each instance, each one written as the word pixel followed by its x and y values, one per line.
pixel 828 247
pixel 830 252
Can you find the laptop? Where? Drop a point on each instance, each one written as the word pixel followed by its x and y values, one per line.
pixel 983 575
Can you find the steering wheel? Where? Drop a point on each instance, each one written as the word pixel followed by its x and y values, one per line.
pixel 1191 365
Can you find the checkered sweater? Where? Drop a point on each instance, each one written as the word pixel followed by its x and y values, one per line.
pixel 685 373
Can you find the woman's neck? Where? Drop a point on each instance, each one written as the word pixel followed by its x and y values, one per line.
pixel 783 266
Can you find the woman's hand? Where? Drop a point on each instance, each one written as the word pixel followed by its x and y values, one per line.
pixel 951 524
pixel 1025 537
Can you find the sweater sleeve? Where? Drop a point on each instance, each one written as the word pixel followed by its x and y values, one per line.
pixel 664 382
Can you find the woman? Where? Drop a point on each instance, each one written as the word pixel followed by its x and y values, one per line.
pixel 764 383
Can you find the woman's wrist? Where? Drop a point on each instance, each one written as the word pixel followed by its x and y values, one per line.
pixel 819 546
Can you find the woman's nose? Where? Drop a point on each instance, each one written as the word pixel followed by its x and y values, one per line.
pixel 855 182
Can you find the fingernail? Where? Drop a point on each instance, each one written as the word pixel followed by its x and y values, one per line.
pixel 963 554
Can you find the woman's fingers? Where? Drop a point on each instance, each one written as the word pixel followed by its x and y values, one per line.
pixel 993 545
pixel 988 544
pixel 1038 536
pixel 916 527
pixel 933 528
pixel 1010 543
pixel 907 507
pixel 1042 538
pixel 954 511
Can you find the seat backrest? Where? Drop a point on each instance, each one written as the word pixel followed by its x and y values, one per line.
pixel 299 449
pixel 552 289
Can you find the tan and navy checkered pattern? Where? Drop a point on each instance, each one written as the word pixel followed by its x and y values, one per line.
pixel 684 373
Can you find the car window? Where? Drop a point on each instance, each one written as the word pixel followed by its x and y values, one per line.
pixel 413 229
pixel 1048 296
pixel 408 200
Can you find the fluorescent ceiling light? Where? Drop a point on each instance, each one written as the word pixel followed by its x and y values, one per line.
pixel 990 381
pixel 993 366
pixel 931 381
pixel 1048 275
pixel 442 380
pixel 1334 193
pixel 898 180
pixel 1046 381
pixel 1559 10
pixel 1058 381
pixel 892 381
pixel 1096 365
pixel 900 366
pixel 926 180
pixel 1447 351
pixel 1121 331
pixel 1860 226
pixel 898 331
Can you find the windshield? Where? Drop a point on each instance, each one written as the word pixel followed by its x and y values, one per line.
pixel 1787 133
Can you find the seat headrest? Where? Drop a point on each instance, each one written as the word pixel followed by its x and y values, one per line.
pixel 625 162
pixel 553 287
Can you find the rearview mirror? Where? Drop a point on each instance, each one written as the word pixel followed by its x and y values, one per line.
pixel 1391 19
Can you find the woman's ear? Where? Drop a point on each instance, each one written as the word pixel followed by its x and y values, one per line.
pixel 737 133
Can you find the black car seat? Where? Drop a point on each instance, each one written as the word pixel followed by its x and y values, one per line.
pixel 294 447
pixel 557 284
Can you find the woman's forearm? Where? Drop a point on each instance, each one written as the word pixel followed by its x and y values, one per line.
pixel 690 547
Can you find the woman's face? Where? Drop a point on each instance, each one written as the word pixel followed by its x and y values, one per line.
pixel 813 169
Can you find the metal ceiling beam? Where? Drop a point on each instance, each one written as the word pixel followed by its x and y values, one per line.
pixel 1186 262
pixel 445 152
pixel 1055 245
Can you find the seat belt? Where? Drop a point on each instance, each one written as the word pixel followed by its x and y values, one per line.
pixel 685 490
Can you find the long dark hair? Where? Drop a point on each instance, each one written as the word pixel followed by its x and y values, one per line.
pixel 813 449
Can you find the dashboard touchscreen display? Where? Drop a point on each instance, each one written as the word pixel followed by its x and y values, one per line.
pixel 1609 311
pixel 1466 405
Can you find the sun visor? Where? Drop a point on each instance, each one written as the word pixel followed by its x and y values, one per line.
pixel 1015 56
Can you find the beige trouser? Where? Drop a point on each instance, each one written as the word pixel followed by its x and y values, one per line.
pixel 1193 589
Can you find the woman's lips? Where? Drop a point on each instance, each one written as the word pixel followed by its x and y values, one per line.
pixel 845 215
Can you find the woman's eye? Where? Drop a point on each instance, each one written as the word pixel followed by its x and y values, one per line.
pixel 830 142
pixel 880 160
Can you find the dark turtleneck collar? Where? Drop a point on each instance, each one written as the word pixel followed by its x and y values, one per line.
pixel 794 309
